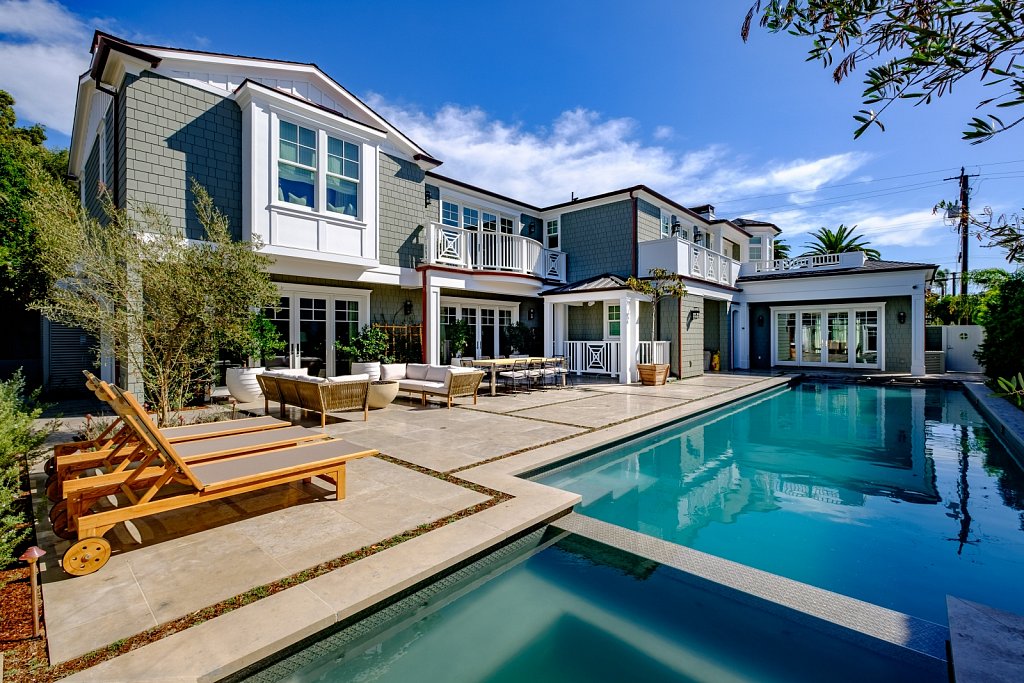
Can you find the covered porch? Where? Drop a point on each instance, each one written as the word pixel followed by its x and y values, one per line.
pixel 597 324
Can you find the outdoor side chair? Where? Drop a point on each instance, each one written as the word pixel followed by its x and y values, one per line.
pixel 516 376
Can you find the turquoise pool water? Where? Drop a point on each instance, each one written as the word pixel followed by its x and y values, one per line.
pixel 580 611
pixel 894 496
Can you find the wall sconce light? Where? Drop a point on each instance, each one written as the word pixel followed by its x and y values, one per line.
pixel 533 226
pixel 694 313
pixel 760 321
pixel 675 226
pixel 529 314
pixel 696 234
pixel 901 317
pixel 407 307
pixel 427 199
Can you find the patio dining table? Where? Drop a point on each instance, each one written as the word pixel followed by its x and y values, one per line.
pixel 496 363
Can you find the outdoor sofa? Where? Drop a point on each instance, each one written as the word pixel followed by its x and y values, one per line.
pixel 295 387
pixel 433 380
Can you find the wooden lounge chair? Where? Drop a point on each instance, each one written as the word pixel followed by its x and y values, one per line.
pixel 153 486
pixel 121 453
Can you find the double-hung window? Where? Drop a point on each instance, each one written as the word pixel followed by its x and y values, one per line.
pixel 613 320
pixel 666 224
pixel 296 165
pixel 342 177
pixel 553 235
pixel 755 248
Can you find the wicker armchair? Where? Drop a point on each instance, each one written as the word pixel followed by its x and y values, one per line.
pixel 321 397
pixel 464 384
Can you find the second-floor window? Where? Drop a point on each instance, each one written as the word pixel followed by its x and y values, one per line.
pixel 296 165
pixel 303 167
pixel 666 224
pixel 755 248
pixel 552 237
pixel 470 218
pixel 342 177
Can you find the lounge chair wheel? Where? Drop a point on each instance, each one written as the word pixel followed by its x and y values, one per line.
pixel 60 525
pixel 86 556
pixel 57 507
pixel 53 489
pixel 50 466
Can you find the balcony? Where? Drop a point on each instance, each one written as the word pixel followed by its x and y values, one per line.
pixel 851 259
pixel 678 255
pixel 493 252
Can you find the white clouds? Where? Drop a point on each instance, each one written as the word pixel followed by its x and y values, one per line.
pixel 584 153
pixel 43 49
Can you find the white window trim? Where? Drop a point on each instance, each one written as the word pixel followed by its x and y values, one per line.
pixel 606 331
pixel 322 130
pixel 557 220
pixel 466 202
pixel 851 308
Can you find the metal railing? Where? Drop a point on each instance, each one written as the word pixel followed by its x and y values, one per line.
pixel 493 251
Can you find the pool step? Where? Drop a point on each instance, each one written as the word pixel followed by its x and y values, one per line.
pixel 986 644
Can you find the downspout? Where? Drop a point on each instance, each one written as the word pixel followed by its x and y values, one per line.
pixel 115 184
pixel 423 315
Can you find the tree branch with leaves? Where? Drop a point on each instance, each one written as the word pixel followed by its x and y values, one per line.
pixel 659 284
pixel 916 50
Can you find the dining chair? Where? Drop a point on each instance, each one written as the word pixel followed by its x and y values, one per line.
pixel 516 376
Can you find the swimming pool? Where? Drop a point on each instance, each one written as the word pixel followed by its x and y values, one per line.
pixel 895 496
pixel 557 607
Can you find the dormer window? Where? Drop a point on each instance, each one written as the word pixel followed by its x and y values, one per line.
pixel 296 166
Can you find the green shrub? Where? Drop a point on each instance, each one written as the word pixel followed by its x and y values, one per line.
pixel 1002 352
pixel 1012 389
pixel 20 444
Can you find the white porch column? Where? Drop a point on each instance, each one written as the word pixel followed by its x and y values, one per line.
pixel 629 337
pixel 433 318
pixel 917 334
pixel 561 328
pixel 550 325
pixel 740 319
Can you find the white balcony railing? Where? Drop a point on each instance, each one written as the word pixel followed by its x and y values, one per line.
pixel 852 259
pixel 602 357
pixel 678 255
pixel 493 251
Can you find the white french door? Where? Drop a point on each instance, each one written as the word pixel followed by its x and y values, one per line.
pixel 486 321
pixel 311 320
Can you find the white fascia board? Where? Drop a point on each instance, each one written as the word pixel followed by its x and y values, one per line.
pixel 484 283
pixel 83 124
pixel 595 295
pixel 181 60
pixel 835 287
pixel 269 99
pixel 709 292
pixel 461 195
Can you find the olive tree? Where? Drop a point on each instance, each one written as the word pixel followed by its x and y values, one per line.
pixel 164 304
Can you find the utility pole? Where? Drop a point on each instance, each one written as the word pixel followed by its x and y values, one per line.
pixel 965 193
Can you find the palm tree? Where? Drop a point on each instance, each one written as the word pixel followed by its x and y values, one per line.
pixel 780 249
pixel 839 241
pixel 941 276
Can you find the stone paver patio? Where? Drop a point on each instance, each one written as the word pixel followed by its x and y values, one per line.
pixel 170 565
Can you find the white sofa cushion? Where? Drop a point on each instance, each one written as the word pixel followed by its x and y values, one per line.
pixel 416 371
pixel 392 371
pixel 309 378
pixel 437 373
pixel 349 378
pixel 421 385
pixel 290 372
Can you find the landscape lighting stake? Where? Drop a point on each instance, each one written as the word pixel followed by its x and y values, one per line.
pixel 30 556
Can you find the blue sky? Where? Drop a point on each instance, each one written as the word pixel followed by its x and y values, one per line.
pixel 542 99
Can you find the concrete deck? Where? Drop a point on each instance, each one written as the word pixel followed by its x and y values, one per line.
pixel 165 566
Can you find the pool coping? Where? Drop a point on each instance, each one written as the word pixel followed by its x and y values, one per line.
pixel 851 619
pixel 1007 421
pixel 227 644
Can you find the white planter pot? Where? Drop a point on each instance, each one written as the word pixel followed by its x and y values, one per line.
pixel 371 369
pixel 243 385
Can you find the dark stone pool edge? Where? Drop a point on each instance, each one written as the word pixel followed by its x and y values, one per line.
pixel 850 619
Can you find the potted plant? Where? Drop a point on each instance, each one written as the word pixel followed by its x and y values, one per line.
pixel 658 285
pixel 520 337
pixel 263 340
pixel 458 337
pixel 367 350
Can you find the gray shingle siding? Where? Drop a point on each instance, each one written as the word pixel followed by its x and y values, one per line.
pixel 598 240
pixel 647 228
pixel 403 215
pixel 91 183
pixel 174 133
pixel 691 343
pixel 586 323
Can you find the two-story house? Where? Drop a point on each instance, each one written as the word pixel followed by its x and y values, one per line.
pixel 362 228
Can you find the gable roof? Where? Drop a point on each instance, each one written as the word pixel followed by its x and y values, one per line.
pixel 103 44
pixel 597 283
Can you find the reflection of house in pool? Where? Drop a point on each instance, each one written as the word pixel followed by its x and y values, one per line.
pixel 859 448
